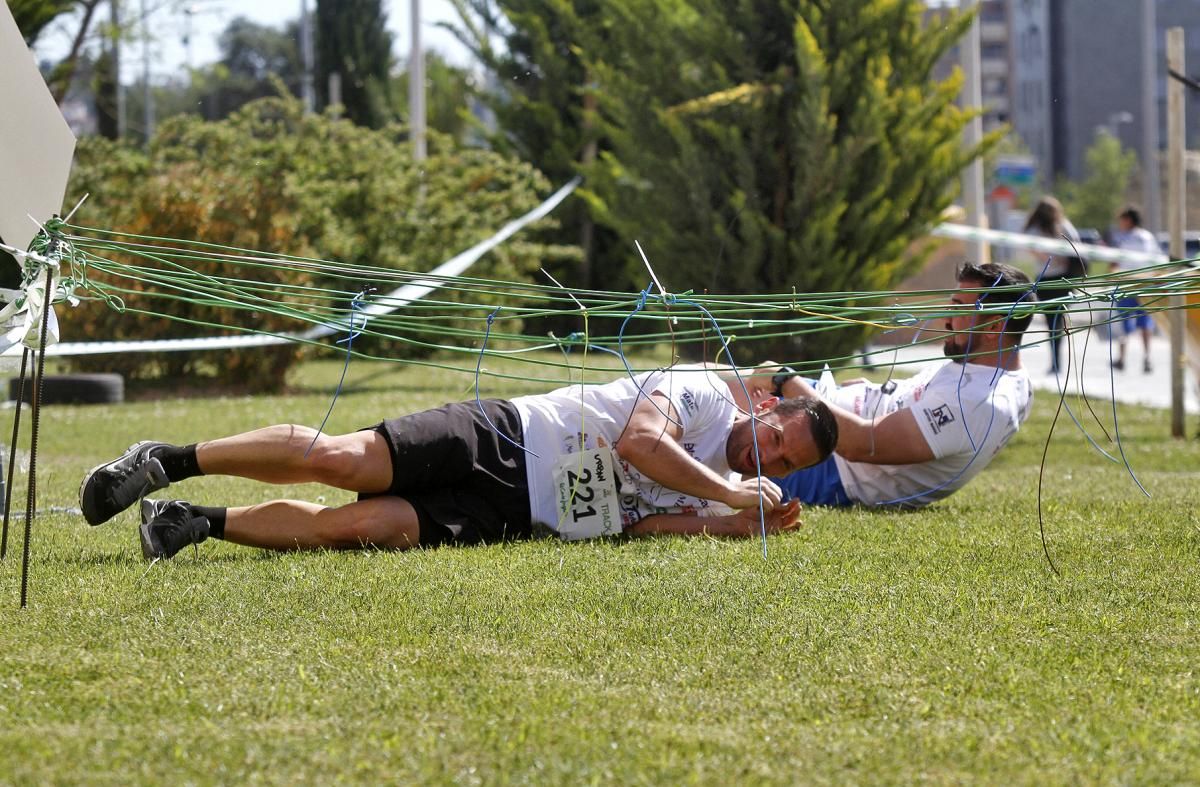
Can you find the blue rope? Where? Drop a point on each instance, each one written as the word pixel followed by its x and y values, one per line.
pixel 762 514
pixel 641 304
pixel 566 343
pixel 1116 425
pixel 1071 411
pixel 991 417
pixel 358 303
pixel 670 300
pixel 478 369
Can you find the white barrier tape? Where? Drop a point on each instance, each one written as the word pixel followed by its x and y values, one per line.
pixel 402 296
pixel 1018 240
pixel 455 266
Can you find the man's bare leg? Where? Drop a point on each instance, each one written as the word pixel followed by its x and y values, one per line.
pixel 383 522
pixel 359 461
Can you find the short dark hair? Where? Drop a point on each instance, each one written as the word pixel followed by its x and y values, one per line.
pixel 1006 284
pixel 1132 214
pixel 821 421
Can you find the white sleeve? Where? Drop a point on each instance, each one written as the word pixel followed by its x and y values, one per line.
pixel 949 428
pixel 698 397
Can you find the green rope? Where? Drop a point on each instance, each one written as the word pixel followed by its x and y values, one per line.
pixel 169 275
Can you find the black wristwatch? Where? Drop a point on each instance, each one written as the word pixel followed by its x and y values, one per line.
pixel 784 374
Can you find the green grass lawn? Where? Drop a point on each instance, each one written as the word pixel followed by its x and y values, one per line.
pixel 868 647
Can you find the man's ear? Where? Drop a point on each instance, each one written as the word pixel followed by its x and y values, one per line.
pixel 766 405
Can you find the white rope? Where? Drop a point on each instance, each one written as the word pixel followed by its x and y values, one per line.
pixel 1018 240
pixel 401 296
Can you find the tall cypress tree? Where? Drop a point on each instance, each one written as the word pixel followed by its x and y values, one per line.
pixel 751 145
pixel 759 146
pixel 352 40
pixel 542 101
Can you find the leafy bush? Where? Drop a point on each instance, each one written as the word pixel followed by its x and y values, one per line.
pixel 274 179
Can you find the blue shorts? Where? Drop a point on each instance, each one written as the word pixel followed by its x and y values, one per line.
pixel 819 485
pixel 1133 317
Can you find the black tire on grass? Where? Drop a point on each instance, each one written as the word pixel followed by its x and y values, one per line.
pixel 74 389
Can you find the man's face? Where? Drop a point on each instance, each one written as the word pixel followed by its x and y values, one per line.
pixel 1124 223
pixel 784 445
pixel 963 320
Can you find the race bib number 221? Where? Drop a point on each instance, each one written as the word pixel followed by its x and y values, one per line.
pixel 586 494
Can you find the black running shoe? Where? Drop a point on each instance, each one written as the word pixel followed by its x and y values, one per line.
pixel 114 486
pixel 168 526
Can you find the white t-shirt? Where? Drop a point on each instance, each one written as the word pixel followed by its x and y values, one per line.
pixel 563 422
pixel 1137 239
pixel 966 412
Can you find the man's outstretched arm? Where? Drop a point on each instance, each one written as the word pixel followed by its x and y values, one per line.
pixel 895 439
pixel 651 444
pixel 743 524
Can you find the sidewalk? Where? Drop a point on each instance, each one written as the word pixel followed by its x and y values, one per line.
pixel 1132 386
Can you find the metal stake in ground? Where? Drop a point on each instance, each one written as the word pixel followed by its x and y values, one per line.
pixel 35 411
pixel 12 451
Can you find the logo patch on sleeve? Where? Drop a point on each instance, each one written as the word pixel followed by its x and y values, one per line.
pixel 689 402
pixel 939 417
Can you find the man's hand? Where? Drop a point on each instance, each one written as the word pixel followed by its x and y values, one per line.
pixel 743 524
pixel 779 520
pixel 745 494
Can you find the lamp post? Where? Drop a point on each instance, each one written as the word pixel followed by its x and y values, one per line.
pixel 416 84
pixel 147 93
pixel 971 98
pixel 307 82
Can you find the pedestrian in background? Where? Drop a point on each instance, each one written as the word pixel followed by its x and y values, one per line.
pixel 1048 220
pixel 1132 236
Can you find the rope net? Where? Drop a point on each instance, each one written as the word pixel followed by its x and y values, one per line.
pixel 317 299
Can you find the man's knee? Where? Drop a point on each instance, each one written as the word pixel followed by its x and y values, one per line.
pixel 358 461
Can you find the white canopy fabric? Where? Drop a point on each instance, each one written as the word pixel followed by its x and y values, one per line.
pixel 36 145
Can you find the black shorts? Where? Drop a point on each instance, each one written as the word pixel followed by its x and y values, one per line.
pixel 466 481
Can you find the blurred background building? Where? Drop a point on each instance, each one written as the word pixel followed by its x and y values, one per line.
pixel 1061 71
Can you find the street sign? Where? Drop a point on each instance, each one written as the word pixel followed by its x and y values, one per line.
pixel 1015 170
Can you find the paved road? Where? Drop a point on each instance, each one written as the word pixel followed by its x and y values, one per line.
pixel 1132 385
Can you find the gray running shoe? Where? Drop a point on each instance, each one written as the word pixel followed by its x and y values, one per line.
pixel 168 526
pixel 112 487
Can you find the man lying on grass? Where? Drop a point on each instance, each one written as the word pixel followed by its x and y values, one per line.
pixel 659 453
pixel 910 442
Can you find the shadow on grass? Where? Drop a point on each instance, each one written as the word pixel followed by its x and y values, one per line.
pixel 133 557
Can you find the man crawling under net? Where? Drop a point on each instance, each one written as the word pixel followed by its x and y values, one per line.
pixel 678 451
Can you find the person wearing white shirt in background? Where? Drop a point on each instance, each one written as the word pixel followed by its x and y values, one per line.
pixel 1132 236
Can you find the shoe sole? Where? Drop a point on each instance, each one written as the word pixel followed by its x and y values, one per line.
pixel 147 547
pixel 91 473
